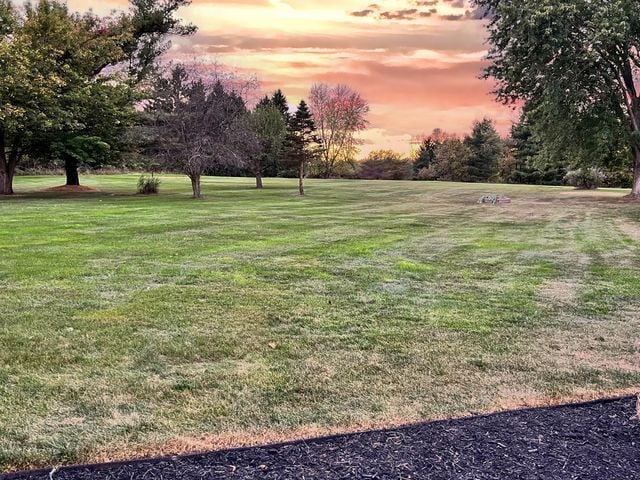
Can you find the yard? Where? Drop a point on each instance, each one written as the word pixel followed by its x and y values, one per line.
pixel 134 325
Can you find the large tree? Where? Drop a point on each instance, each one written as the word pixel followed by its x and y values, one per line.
pixel 339 113
pixel 70 77
pixel 29 87
pixel 302 145
pixel 198 125
pixel 575 65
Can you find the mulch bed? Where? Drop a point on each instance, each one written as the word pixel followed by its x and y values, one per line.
pixel 71 189
pixel 596 440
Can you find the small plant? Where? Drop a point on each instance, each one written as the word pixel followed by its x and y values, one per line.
pixel 585 178
pixel 148 185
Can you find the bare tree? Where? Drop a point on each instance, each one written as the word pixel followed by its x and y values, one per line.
pixel 339 113
pixel 198 125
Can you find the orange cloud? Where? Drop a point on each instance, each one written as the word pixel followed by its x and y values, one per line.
pixel 418 68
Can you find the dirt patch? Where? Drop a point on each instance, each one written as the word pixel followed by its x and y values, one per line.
pixel 559 292
pixel 630 229
pixel 71 189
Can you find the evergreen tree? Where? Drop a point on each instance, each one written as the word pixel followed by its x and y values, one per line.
pixel 426 155
pixel 486 148
pixel 302 143
pixel 532 163
pixel 264 102
pixel 279 100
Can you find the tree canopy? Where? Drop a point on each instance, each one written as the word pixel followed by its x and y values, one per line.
pixel 339 113
pixel 56 86
pixel 574 64
pixel 198 125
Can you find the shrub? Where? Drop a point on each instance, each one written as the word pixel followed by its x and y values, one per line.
pixel 148 185
pixel 585 178
pixel 425 174
pixel 385 165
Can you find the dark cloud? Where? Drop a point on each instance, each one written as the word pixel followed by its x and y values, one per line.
pixel 362 13
pixel 416 10
pixel 453 17
pixel 406 14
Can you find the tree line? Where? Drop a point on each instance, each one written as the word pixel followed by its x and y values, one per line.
pixel 80 90
pixel 522 157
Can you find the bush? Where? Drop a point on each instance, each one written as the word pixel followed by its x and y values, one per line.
pixel 385 165
pixel 585 178
pixel 148 185
pixel 427 174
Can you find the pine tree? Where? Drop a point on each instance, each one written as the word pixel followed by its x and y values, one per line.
pixel 264 102
pixel 486 148
pixel 426 155
pixel 302 143
pixel 279 100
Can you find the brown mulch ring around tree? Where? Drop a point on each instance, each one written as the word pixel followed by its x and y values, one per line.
pixel 596 440
pixel 71 189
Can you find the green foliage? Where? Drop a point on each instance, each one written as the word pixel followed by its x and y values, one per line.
pixel 150 25
pixel 573 63
pixel 7 18
pixel 426 155
pixel 385 165
pixel 302 145
pixel 82 149
pixel 270 128
pixel 532 165
pixel 148 185
pixel 585 178
pixel 451 162
pixel 55 84
pixel 486 149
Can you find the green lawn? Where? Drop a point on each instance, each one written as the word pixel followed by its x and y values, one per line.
pixel 133 325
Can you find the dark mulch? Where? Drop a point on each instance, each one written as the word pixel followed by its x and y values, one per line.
pixel 597 440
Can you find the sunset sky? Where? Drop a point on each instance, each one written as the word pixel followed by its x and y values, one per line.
pixel 416 62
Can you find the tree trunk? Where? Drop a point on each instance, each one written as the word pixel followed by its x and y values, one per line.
pixel 7 171
pixel 259 180
pixel 7 167
pixel 635 192
pixel 71 169
pixel 195 185
pixel 301 179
